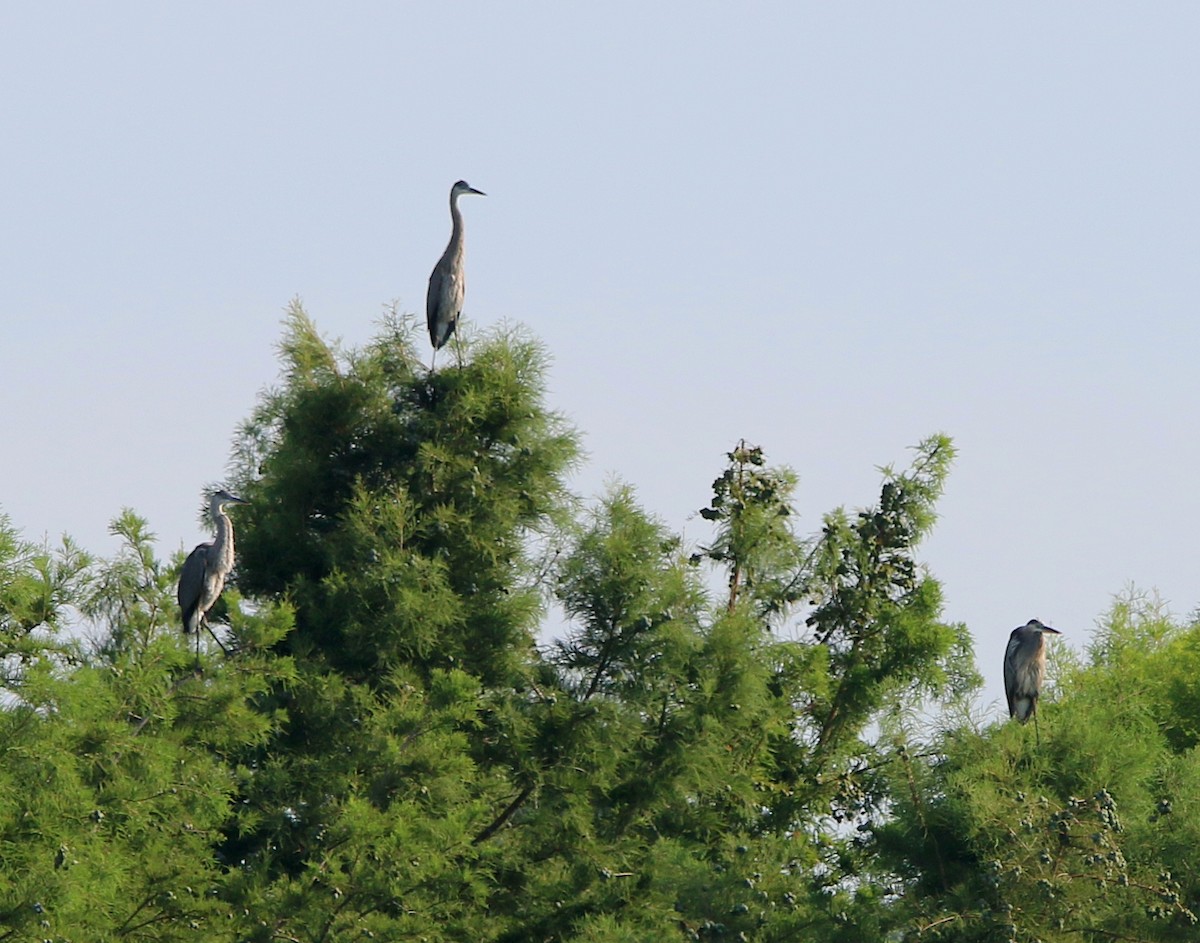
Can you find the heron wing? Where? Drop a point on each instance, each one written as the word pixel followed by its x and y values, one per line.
pixel 191 583
pixel 443 301
pixel 433 306
pixel 1010 673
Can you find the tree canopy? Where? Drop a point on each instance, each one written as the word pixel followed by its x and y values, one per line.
pixel 461 703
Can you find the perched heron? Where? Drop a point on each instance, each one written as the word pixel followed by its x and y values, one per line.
pixel 1025 669
pixel 206 569
pixel 447 285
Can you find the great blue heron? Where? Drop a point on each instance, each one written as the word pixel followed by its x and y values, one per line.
pixel 444 301
pixel 1025 669
pixel 206 568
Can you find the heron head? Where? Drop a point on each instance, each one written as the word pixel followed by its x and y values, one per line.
pixel 462 187
pixel 1037 626
pixel 222 498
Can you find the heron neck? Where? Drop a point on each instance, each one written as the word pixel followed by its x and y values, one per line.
pixel 456 225
pixel 223 543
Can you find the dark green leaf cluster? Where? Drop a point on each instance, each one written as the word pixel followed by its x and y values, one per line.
pixel 751 510
pixel 394 507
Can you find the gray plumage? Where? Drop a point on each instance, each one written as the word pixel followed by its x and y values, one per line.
pixel 447 285
pixel 207 567
pixel 1025 668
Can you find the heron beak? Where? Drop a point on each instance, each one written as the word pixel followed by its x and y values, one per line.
pixel 476 192
pixel 1046 628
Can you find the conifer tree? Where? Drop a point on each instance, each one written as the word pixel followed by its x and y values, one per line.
pixel 393 748
pixel 997 838
pixel 664 768
pixel 115 782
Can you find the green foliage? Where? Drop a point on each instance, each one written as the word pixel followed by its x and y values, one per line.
pixel 761 737
pixel 875 612
pixel 132 596
pixel 116 781
pixel 394 507
pixel 754 541
pixel 999 838
pixel 37 587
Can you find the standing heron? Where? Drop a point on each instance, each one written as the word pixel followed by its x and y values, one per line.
pixel 1025 669
pixel 206 569
pixel 447 283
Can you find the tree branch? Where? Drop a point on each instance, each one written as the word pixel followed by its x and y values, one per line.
pixel 500 820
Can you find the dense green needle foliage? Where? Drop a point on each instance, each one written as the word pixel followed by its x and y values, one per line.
pixel 1093 835
pixel 459 703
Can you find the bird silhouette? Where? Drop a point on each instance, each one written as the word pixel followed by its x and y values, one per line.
pixel 447 284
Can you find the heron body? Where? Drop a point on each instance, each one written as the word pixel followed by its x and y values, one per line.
pixel 1025 668
pixel 447 284
pixel 207 567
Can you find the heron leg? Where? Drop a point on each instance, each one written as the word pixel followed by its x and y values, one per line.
pixel 208 629
pixel 224 650
pixel 458 349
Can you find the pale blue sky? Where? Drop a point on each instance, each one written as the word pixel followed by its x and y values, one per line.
pixel 830 228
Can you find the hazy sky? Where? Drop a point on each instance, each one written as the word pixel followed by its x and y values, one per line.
pixel 832 229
